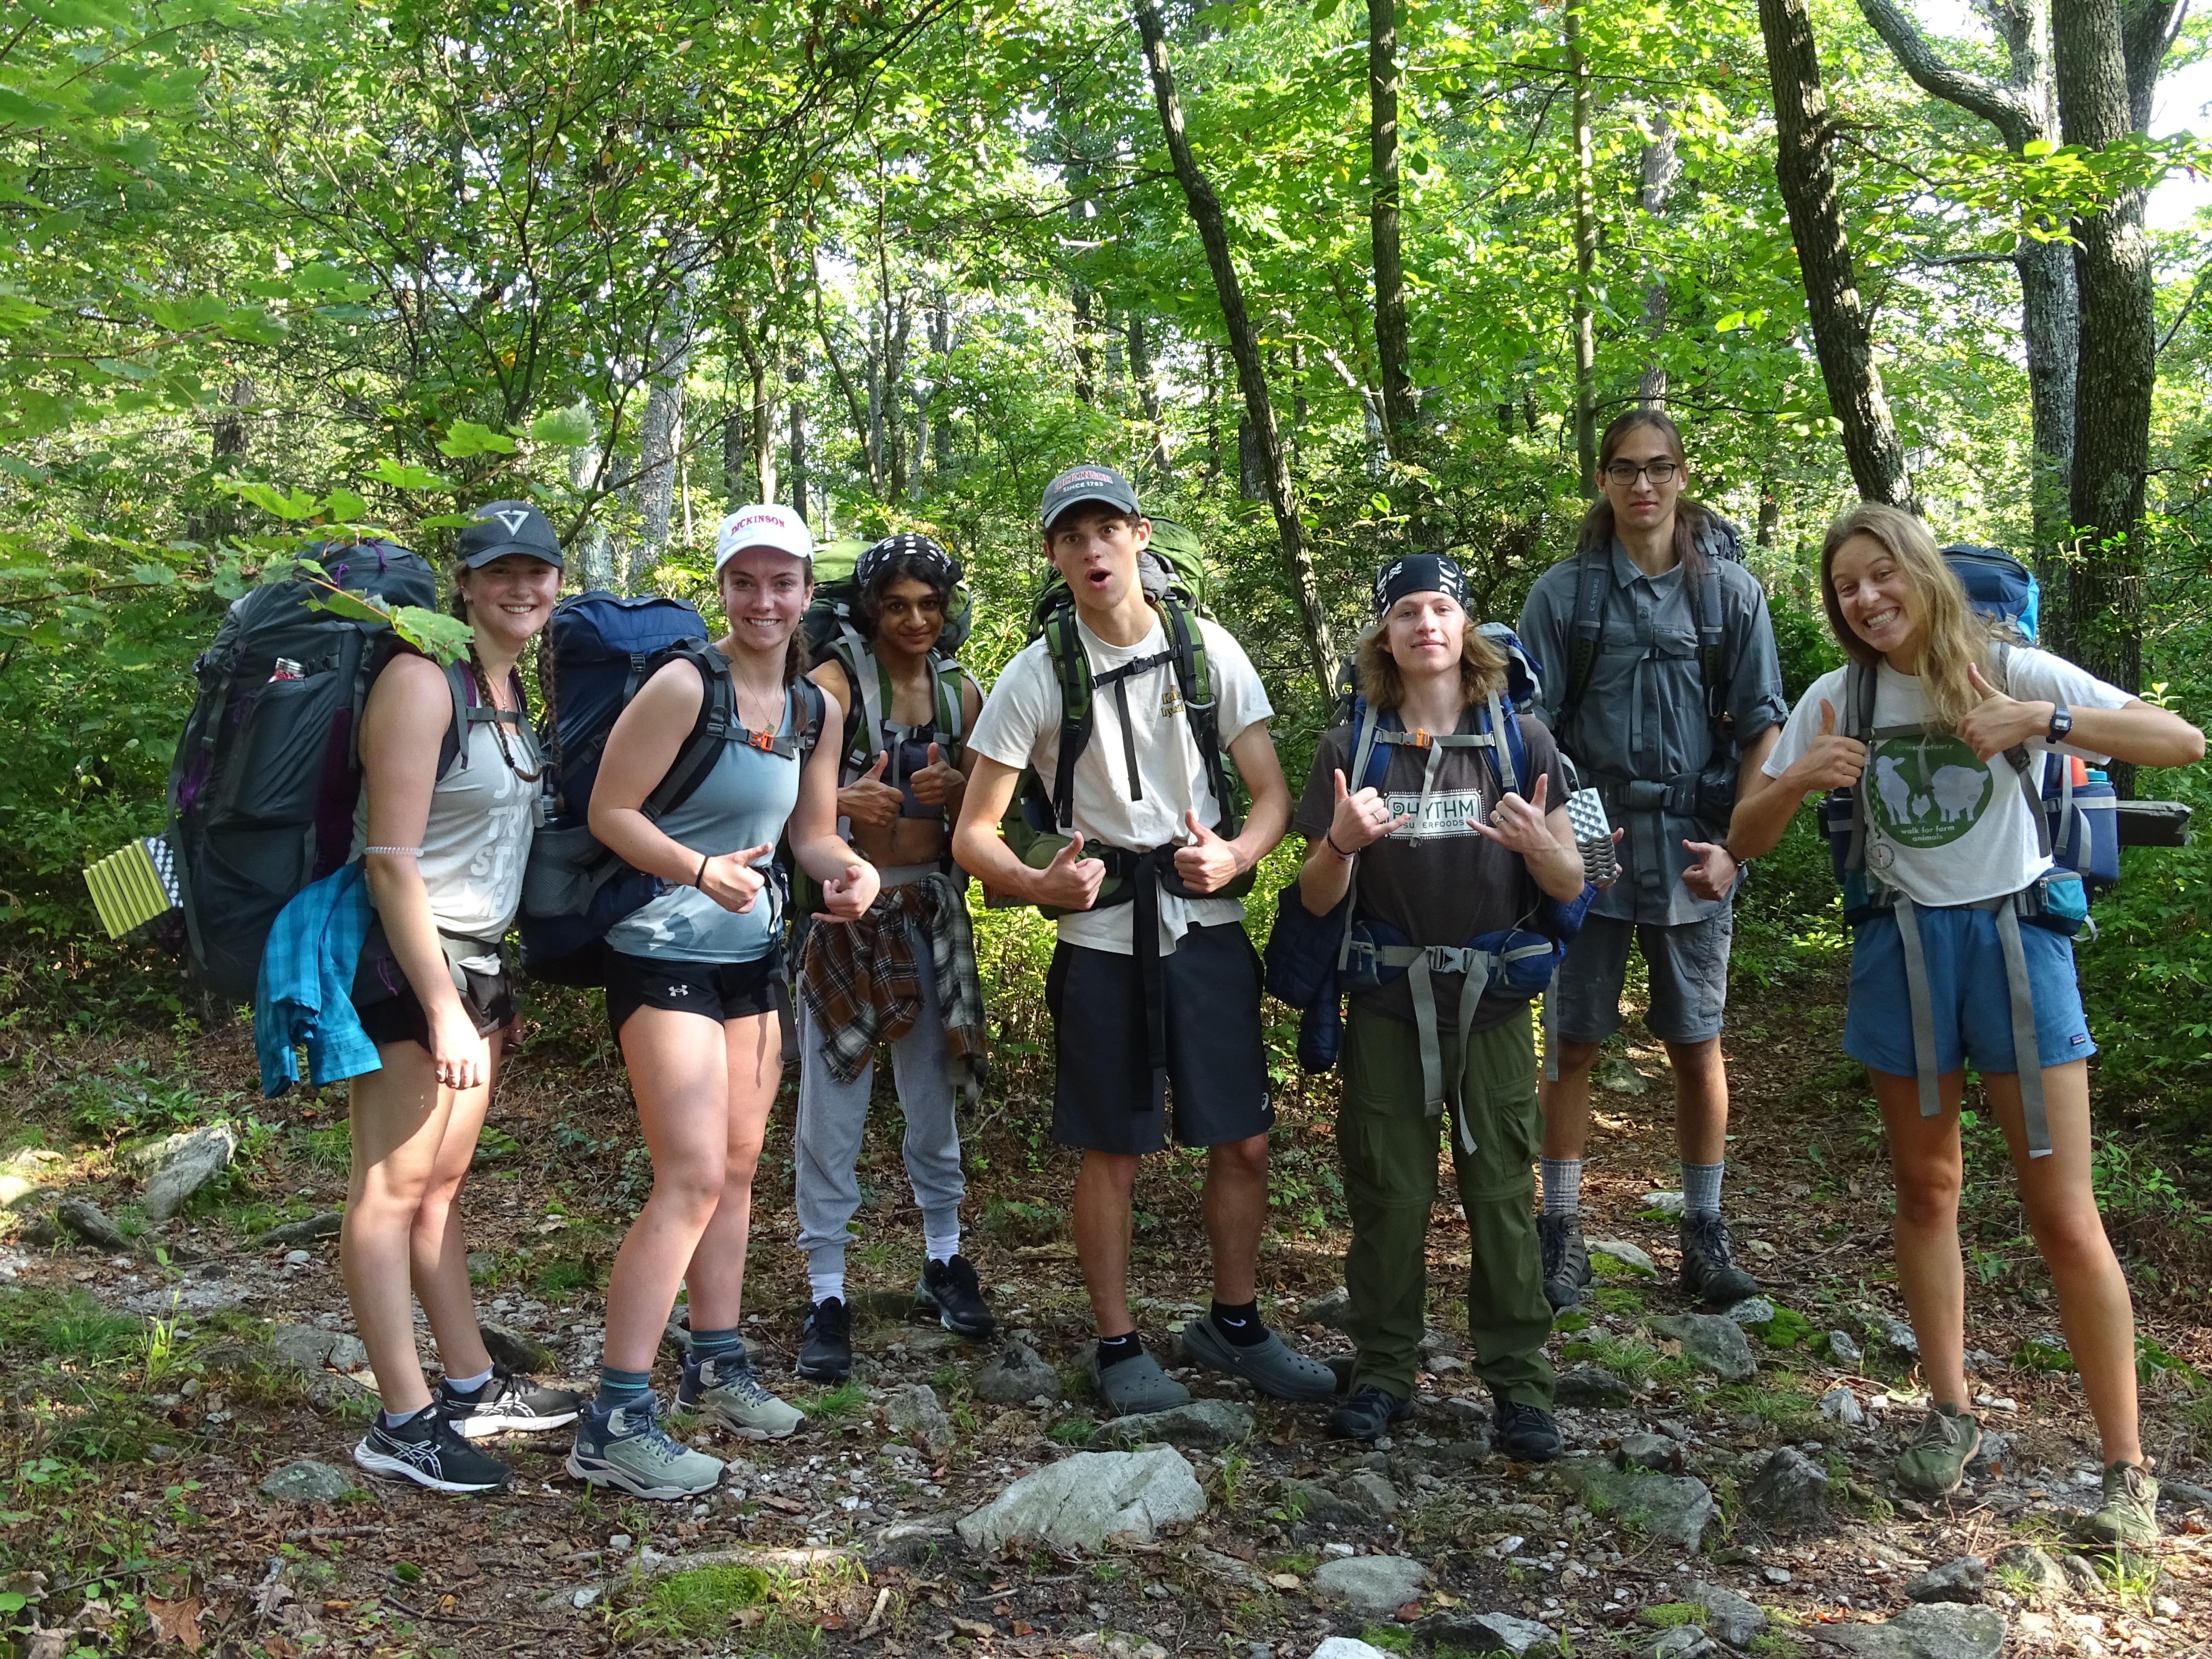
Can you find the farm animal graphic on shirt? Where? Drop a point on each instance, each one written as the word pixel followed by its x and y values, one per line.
pixel 1929 790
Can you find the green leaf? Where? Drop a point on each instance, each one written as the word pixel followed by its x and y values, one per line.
pixel 446 638
pixel 295 506
pixel 465 438
pixel 564 429
pixel 2035 147
pixel 340 602
pixel 344 506
pixel 1729 324
pixel 405 475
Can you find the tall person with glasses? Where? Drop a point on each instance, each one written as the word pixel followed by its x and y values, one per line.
pixel 1661 684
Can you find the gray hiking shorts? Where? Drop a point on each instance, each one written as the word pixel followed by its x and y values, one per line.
pixel 1688 966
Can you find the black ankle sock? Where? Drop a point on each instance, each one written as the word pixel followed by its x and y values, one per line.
pixel 1240 1324
pixel 1112 1350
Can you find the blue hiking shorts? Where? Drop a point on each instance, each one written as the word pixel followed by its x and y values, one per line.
pixel 1968 992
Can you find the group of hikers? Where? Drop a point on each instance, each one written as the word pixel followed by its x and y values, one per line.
pixel 1446 842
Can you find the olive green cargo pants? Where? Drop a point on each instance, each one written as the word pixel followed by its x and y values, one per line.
pixel 1387 1144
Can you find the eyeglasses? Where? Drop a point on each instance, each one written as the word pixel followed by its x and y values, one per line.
pixel 1625 473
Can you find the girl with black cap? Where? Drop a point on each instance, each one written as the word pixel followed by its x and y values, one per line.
pixel 448 799
pixel 1444 854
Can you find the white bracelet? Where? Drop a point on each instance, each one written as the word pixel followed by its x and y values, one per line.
pixel 396 852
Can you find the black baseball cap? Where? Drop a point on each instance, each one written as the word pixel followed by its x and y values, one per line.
pixel 504 527
pixel 1088 482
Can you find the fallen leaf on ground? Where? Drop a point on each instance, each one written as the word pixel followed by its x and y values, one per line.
pixel 176 1621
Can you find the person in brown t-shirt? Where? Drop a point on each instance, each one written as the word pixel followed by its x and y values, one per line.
pixel 1443 853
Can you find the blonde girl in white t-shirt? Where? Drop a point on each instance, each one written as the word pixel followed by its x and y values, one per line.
pixel 1949 829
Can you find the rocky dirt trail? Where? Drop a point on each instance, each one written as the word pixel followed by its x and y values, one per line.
pixel 183 1397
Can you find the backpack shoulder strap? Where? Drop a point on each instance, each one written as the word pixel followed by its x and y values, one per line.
pixel 1711 638
pixel 718 713
pixel 1070 667
pixel 1194 680
pixel 1592 578
pixel 2028 766
pixel 952 710
pixel 813 709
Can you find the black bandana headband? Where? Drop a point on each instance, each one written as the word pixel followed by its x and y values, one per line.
pixel 1419 572
pixel 909 542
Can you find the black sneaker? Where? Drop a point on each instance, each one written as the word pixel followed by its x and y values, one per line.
pixel 825 1345
pixel 950 1287
pixel 1708 1271
pixel 1566 1259
pixel 1525 1433
pixel 507 1401
pixel 1369 1413
pixel 426 1450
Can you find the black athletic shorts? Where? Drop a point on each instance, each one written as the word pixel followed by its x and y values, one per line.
pixel 389 1010
pixel 1103 1096
pixel 718 990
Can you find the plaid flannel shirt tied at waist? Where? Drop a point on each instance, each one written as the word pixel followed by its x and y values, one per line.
pixel 862 982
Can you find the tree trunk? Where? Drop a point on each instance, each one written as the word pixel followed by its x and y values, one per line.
pixel 853 408
pixel 763 424
pixel 1659 167
pixel 595 557
pixel 801 473
pixel 1842 339
pixel 1206 213
pixel 659 435
pixel 1086 355
pixel 940 431
pixel 227 445
pixel 1585 257
pixel 1391 350
pixel 1157 463
pixel 734 457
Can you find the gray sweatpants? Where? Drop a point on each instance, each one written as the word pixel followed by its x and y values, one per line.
pixel 832 1116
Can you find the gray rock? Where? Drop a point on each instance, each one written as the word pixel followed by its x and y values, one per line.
pixel 1752 1310
pixel 1486 1632
pixel 1991 1456
pixel 1893 1336
pixel 1676 1507
pixel 1843 1348
pixel 1934 1630
pixel 1789 1492
pixel 1586 1384
pixel 2180 1495
pixel 1312 1501
pixel 1734 1619
pixel 1680 1642
pixel 1840 1404
pixel 1085 1499
pixel 1371 1492
pixel 2082 1575
pixel 347 1353
pixel 1373 1586
pixel 914 1411
pixel 305 1481
pixel 1711 1343
pixel 1015 1376
pixel 1651 1451
pixel 908 1542
pixel 184 1163
pixel 2041 1573
pixel 1665 1203
pixel 329 1392
pixel 1336 1647
pixel 1328 1309
pixel 302 1346
pixel 1435 1342
pixel 1205 1424
pixel 88 1223
pixel 1634 1257
pixel 1622 1079
pixel 518 1353
pixel 482 1261
pixel 1228 1569
pixel 325 1225
pixel 1960 1580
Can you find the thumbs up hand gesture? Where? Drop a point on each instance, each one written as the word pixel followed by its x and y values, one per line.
pixel 1998 722
pixel 1207 863
pixel 1071 881
pixel 1832 762
pixel 940 782
pixel 868 799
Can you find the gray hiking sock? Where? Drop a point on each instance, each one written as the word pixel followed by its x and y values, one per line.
pixel 1701 1187
pixel 1563 1185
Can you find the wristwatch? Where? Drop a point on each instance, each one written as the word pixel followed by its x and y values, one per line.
pixel 2062 722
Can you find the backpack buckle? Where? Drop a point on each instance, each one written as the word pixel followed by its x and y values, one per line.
pixel 764 741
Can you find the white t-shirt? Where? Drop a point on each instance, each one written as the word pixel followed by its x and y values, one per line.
pixel 1943 827
pixel 1020 727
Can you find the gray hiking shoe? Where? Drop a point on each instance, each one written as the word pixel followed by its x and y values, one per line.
pixel 1934 1463
pixel 627 1448
pixel 2128 1514
pixel 1135 1386
pixel 1271 1365
pixel 727 1391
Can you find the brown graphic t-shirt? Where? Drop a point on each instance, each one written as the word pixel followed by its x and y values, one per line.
pixel 1438 882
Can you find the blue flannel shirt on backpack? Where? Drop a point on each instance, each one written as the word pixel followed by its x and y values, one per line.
pixel 304 996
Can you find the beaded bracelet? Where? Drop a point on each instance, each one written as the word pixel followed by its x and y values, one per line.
pixel 396 852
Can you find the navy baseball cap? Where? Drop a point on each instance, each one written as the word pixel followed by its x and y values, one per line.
pixel 505 527
pixel 1088 482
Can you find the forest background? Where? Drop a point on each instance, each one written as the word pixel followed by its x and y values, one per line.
pixel 269 273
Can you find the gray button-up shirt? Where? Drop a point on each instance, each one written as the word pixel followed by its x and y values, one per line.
pixel 1644 714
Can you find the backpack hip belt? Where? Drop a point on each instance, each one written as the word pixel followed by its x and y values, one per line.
pixel 1143 876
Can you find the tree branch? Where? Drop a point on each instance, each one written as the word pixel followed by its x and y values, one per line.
pixel 2001 106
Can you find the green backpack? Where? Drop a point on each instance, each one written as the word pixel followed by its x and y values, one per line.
pixel 1041 820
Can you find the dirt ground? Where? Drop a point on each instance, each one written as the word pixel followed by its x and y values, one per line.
pixel 149 1394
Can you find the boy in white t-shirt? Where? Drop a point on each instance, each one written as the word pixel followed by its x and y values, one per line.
pixel 1155 993
pixel 1956 872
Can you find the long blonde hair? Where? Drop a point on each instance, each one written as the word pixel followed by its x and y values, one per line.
pixel 1481 667
pixel 1953 635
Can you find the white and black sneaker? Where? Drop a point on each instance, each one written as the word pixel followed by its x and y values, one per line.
pixel 507 1400
pixel 426 1450
pixel 951 1289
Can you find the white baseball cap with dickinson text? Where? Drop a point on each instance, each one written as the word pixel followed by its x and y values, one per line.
pixel 778 527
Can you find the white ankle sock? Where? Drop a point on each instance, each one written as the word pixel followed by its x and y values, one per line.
pixel 822 1287
pixel 468 1384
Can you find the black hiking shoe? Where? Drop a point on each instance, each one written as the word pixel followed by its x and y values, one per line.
pixel 951 1289
pixel 1566 1259
pixel 507 1400
pixel 825 1348
pixel 1708 1271
pixel 1369 1413
pixel 1525 1433
pixel 426 1450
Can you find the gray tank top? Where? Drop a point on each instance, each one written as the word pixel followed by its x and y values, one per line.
pixel 478 838
pixel 744 801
